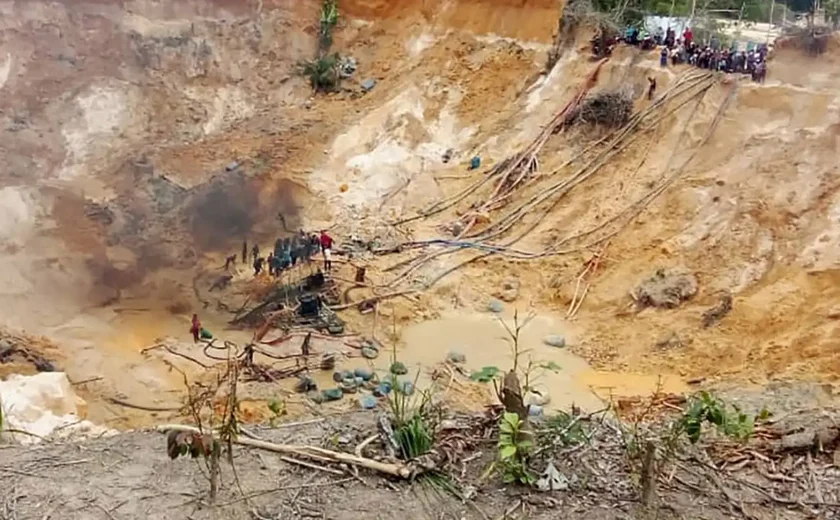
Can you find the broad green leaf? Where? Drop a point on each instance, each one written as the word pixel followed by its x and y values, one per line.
pixel 507 452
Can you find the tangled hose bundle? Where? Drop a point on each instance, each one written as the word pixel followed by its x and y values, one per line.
pixel 611 108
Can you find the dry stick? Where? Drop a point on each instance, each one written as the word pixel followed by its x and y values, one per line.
pixel 373 299
pixel 296 424
pixel 577 288
pixel 446 203
pixel 86 381
pixel 364 444
pixel 649 476
pixel 396 470
pixel 197 362
pixel 309 465
pixel 421 263
pixel 142 407
pixel 593 264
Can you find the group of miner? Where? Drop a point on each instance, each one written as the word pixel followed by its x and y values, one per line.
pixel 298 249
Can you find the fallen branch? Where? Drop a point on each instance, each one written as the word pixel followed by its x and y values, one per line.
pixel 396 470
pixel 142 407
pixel 372 299
pixel 292 460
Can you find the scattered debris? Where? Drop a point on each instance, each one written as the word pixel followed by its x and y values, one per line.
pixel 475 163
pixel 363 373
pixel 346 67
pixel 232 166
pixel 367 402
pixel 99 213
pixel 552 480
pixel 555 341
pixel 16 349
pixel 398 368
pixel 715 314
pixel 406 387
pixel 305 384
pixel 447 155
pixel 382 389
pixel 510 291
pixel 313 294
pixel 368 84
pixel 666 289
pixel 535 410
pixel 669 342
pixel 495 306
pixel 537 396
pixel 456 357
pixel 608 108
pixel 332 394
pixel 327 362
pixel 221 283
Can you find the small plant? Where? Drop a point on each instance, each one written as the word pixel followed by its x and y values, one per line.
pixel 329 19
pixel 515 447
pixel 564 429
pixel 206 440
pixel 277 407
pixel 322 73
pixel 708 409
pixel 194 445
pixel 398 368
pixel 415 418
pixel 486 374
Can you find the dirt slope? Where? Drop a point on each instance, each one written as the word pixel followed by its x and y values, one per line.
pixel 122 122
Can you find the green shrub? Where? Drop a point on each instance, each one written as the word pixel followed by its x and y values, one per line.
pixel 322 73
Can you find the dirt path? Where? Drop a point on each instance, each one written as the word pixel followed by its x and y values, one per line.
pixel 129 476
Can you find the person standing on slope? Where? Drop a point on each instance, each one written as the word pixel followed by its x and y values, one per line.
pixel 326 249
pixel 195 328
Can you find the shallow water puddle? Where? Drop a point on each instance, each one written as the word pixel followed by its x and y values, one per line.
pixel 482 338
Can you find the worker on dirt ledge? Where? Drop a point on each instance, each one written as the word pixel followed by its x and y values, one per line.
pixel 271 263
pixel 255 252
pixel 245 252
pixel 258 265
pixel 229 261
pixel 651 87
pixel 326 249
pixel 195 328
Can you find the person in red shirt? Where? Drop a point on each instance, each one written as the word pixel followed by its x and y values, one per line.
pixel 195 328
pixel 326 249
pixel 687 37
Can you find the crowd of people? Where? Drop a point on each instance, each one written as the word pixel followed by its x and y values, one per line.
pixel 299 249
pixel 683 49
